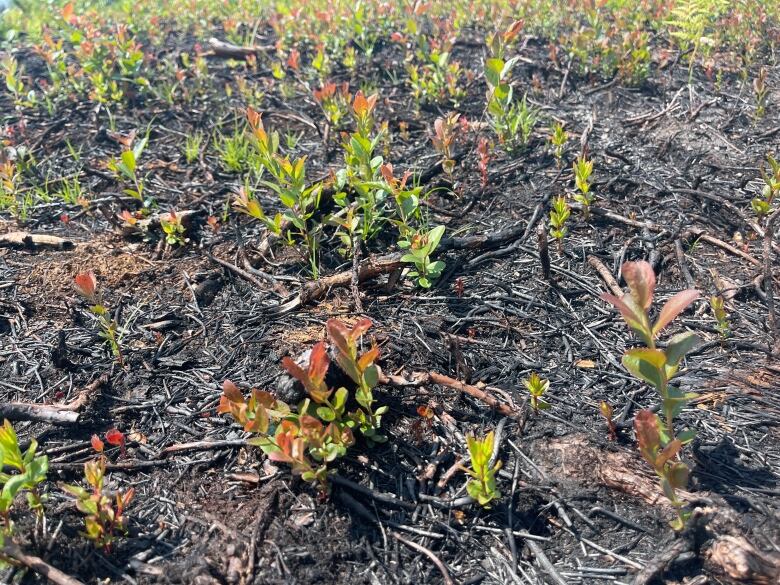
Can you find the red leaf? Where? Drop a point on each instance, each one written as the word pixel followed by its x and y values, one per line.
pixel 647 434
pixel 318 363
pixel 674 306
pixel 231 392
pixel 115 437
pixel 97 444
pixel 86 284
pixel 641 279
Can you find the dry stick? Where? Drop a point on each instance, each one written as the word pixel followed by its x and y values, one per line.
pixel 25 240
pixel 231 51
pixel 544 252
pixel 545 563
pixel 475 392
pixel 38 565
pixel 355 281
pixel 606 276
pixel 680 253
pixel 769 288
pixel 202 446
pixel 239 271
pixel 428 553
pixel 38 412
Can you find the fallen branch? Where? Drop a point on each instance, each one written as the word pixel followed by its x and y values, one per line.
pixel 606 276
pixel 28 241
pixel 37 564
pixel 231 51
pixel 38 412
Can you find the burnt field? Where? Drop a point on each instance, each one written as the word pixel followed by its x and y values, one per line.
pixel 316 293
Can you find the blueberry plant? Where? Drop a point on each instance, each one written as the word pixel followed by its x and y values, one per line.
pixel 320 429
pixel 659 442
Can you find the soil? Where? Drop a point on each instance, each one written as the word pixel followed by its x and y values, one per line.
pixel 678 158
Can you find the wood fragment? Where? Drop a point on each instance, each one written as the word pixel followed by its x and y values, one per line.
pixel 428 553
pixel 28 241
pixel 606 276
pixel 230 51
pixel 38 412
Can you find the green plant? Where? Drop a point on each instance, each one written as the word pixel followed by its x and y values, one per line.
pixel 583 168
pixel 419 247
pixel 654 365
pixel 192 146
pixel 536 387
pixel 86 285
pixel 558 139
pixel 512 122
pixel 235 152
pixel 661 454
pixel 9 67
pixel 126 169
pixel 334 101
pixel 761 92
pixel 606 410
pixel 559 214
pixel 72 193
pixel 721 318
pixel 690 24
pixel 762 205
pixel 9 189
pixel 482 485
pixel 289 184
pixel 445 132
pixel 174 230
pixel 27 471
pixel 104 516
pixel 320 429
pixel 436 81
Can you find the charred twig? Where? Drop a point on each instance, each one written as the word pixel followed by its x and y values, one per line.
pixel 37 564
pixel 39 412
pixel 606 276
pixel 436 561
pixel 28 241
pixel 202 446
pixel 544 252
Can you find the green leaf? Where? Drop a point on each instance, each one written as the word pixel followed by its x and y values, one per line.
pixel 679 346
pixel 646 364
pixel 128 160
pixel 326 413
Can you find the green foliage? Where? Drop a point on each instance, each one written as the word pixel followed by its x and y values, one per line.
pixel 559 214
pixel 661 454
pixel 657 367
pixel 558 139
pixel 192 146
pixel 126 169
pixel 19 472
pixel 762 205
pixel 691 23
pixel 419 248
pixel 85 284
pixel 174 230
pixel 104 516
pixel 536 387
pixel 482 485
pixel 721 318
pixel 320 429
pixel 583 168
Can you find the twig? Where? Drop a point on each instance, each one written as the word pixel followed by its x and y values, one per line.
pixel 545 563
pixel 606 276
pixel 544 252
pixel 38 412
pixel 428 553
pixel 356 275
pixel 474 392
pixel 769 288
pixel 38 565
pixel 202 446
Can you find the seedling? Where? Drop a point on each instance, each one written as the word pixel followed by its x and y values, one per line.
pixel 583 168
pixel 536 387
pixel 657 367
pixel 25 473
pixel 174 230
pixel 483 154
pixel 606 410
pixel 660 455
pixel 334 101
pixel 761 92
pixel 482 486
pixel 192 146
pixel 559 214
pixel 86 285
pixel 445 130
pixel 104 516
pixel 419 248
pixel 126 169
pixel 721 318
pixel 762 205
pixel 558 140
